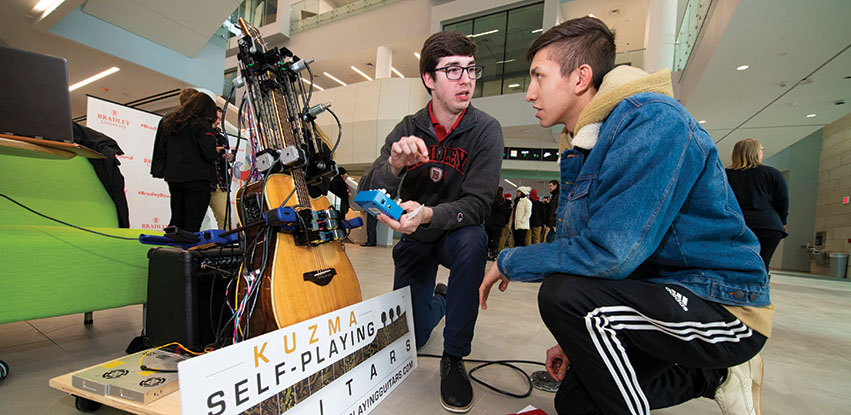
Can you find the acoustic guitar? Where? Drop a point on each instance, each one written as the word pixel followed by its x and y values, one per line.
pixel 305 273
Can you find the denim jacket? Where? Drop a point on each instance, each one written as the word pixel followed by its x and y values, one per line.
pixel 649 201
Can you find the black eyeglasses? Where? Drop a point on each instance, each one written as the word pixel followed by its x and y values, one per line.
pixel 453 73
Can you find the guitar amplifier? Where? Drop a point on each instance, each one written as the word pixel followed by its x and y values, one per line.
pixel 186 294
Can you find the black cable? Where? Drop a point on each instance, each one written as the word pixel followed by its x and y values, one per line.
pixel 225 108
pixel 215 325
pixel 4 370
pixel 221 328
pixel 239 122
pixel 507 363
pixel 152 369
pixel 66 223
pixel 250 251
pixel 339 131
pixel 310 90
pixel 228 176
pixel 259 278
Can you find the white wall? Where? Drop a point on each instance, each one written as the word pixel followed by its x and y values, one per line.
pixel 511 110
pixel 391 23
pixel 368 111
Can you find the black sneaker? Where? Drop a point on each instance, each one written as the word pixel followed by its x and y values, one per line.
pixel 456 393
pixel 441 289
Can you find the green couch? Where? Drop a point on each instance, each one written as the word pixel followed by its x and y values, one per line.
pixel 48 269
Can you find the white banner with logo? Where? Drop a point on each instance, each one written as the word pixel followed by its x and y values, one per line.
pixel 343 362
pixel 134 130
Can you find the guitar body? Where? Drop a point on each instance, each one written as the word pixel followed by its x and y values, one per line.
pixel 299 282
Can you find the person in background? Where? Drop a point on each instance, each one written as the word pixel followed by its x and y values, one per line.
pixel 443 162
pixel 221 181
pixel 500 209
pixel 522 214
pixel 762 194
pixel 536 221
pixel 546 229
pixel 505 237
pixel 653 287
pixel 371 227
pixel 551 210
pixel 158 159
pixel 190 160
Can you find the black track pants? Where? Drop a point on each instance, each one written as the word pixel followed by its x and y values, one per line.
pixel 635 345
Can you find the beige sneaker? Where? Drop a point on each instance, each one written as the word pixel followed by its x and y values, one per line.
pixel 741 392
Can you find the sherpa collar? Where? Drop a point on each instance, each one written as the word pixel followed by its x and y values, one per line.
pixel 618 84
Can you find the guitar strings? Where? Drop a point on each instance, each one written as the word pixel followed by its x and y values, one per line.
pixel 297 175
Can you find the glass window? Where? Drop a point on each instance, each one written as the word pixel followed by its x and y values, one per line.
pixel 256 12
pixel 523 28
pixel 465 27
pixel 489 35
pixel 271 12
pixel 502 39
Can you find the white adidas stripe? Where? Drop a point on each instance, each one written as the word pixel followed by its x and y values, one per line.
pixel 715 332
pixel 627 383
pixel 711 338
pixel 602 324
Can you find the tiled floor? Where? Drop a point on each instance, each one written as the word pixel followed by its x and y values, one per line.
pixel 808 359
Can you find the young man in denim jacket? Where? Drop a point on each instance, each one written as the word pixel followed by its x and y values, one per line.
pixel 444 162
pixel 653 287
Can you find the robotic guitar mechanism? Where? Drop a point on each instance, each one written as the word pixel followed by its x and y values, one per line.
pixel 295 270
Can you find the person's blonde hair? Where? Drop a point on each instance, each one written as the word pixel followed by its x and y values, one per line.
pixel 746 154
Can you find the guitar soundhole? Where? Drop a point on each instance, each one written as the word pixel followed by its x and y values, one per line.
pixel 321 277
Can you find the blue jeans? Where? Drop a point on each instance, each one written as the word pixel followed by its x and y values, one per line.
pixel 464 252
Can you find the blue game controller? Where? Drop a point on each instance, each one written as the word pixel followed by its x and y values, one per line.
pixel 378 201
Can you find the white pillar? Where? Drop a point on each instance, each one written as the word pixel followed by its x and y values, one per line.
pixel 660 34
pixel 383 60
pixel 552 14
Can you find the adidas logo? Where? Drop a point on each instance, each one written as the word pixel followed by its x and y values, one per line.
pixel 681 299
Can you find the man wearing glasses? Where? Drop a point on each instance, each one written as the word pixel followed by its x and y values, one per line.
pixel 444 163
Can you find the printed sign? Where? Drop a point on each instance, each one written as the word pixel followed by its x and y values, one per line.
pixel 134 131
pixel 343 362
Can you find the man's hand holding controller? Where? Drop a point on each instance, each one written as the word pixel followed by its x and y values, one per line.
pixel 408 151
pixel 409 222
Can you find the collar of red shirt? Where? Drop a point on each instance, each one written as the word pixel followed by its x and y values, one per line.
pixel 439 130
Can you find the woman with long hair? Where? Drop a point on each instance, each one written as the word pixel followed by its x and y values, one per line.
pixel 190 157
pixel 762 195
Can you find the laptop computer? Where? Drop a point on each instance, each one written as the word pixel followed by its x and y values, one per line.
pixel 36 102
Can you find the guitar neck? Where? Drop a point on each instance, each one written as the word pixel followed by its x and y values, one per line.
pixel 274 94
pixel 285 127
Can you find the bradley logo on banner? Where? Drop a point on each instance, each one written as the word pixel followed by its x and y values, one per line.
pixel 343 362
pixel 147 198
